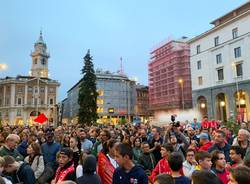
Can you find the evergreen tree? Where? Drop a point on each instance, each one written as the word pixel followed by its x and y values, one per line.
pixel 87 93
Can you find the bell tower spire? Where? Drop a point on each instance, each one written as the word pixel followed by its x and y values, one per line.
pixel 40 56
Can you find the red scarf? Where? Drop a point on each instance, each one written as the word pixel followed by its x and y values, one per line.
pixel 61 174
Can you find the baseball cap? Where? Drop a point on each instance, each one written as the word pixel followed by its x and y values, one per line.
pixel 202 136
pixel 66 151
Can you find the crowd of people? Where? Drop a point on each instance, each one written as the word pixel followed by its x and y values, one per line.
pixel 176 153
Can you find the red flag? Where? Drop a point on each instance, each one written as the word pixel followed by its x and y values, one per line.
pixel 41 118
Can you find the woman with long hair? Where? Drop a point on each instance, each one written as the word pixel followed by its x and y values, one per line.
pixel 35 159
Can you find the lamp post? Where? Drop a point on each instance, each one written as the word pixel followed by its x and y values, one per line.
pixel 222 105
pixel 237 88
pixel 182 94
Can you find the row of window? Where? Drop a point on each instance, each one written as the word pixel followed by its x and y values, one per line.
pixel 220 73
pixel 42 89
pixel 237 54
pixel 43 61
pixel 217 40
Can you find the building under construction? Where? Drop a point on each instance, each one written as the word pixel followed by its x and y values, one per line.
pixel 169 77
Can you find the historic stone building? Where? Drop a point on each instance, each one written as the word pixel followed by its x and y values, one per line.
pixel 22 97
pixel 220 63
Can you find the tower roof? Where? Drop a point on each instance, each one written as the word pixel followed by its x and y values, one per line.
pixel 40 39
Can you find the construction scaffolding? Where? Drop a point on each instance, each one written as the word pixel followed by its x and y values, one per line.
pixel 170 77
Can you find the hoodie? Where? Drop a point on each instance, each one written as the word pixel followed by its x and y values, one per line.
pixel 135 176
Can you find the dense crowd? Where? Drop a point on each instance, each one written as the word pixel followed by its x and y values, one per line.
pixel 176 153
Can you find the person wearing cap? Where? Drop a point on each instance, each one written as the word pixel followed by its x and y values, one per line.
pixel 50 148
pixel 205 144
pixel 66 170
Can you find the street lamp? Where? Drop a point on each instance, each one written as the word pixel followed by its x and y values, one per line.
pixel 203 105
pixel 182 94
pixel 222 105
pixel 237 87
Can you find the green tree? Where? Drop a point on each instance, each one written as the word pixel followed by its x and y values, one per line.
pixel 87 96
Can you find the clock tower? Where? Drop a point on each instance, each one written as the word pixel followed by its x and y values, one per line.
pixel 40 58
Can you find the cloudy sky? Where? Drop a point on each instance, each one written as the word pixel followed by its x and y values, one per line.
pixel 109 28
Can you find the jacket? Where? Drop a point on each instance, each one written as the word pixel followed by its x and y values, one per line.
pixel 14 153
pixel 147 160
pixel 25 174
pixel 135 176
pixel 49 152
pixel 105 169
pixel 222 175
pixel 188 169
pixel 37 165
pixel 225 150
pixel 206 146
pixel 161 167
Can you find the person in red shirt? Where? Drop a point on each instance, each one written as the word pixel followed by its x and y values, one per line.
pixel 205 144
pixel 205 124
pixel 219 166
pixel 162 166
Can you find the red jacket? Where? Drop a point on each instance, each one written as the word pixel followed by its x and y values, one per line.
pixel 161 167
pixel 206 146
pixel 105 169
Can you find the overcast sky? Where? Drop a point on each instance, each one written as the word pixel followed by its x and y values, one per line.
pixel 109 28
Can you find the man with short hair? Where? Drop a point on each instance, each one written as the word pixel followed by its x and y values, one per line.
pixel 219 166
pixel 155 143
pixel 220 144
pixel 23 173
pixel 164 179
pixel 190 163
pixel 127 172
pixel 86 144
pixel 175 163
pixel 66 170
pixel 50 148
pixel 195 124
pixel 10 146
pixel 236 155
pixel 147 159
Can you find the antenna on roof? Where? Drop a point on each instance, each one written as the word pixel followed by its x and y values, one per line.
pixel 121 71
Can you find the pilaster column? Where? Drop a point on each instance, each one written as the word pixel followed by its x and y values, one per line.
pixel 46 95
pixel 12 95
pixel 4 95
pixel 25 94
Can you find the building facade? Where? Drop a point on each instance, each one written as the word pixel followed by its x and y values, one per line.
pixel 116 99
pixel 23 97
pixel 142 103
pixel 169 77
pixel 220 64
